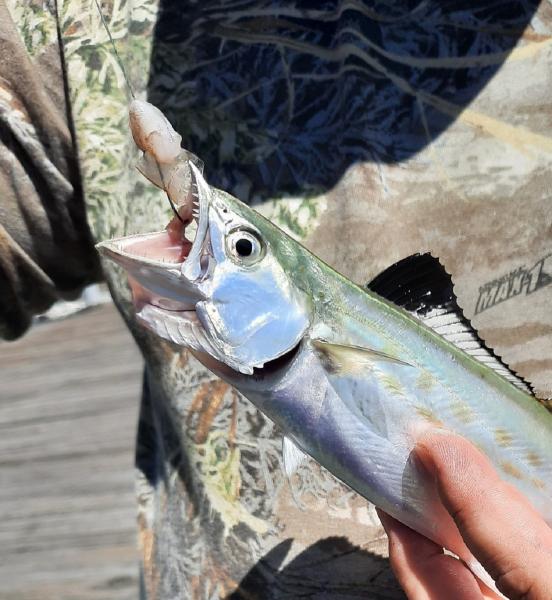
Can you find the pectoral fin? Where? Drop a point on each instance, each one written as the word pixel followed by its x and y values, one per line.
pixel 348 359
pixel 293 456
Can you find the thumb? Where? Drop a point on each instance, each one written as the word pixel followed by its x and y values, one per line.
pixel 499 526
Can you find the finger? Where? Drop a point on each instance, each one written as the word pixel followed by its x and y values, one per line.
pixel 424 571
pixel 503 531
pixel 422 568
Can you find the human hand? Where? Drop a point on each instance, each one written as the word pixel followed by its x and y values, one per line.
pixel 498 524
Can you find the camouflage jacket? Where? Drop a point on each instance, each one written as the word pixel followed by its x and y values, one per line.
pixel 369 130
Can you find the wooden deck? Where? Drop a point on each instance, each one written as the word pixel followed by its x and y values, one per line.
pixel 69 404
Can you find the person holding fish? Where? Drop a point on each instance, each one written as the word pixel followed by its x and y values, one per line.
pixel 383 392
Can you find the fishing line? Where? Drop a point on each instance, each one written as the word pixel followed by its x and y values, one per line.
pixel 129 86
pixel 104 22
pixel 175 211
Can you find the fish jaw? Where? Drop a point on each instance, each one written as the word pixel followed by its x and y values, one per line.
pixel 203 294
pixel 176 307
pixel 167 272
pixel 164 299
pixel 154 264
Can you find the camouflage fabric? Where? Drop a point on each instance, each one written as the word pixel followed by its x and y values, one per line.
pixel 46 250
pixel 369 130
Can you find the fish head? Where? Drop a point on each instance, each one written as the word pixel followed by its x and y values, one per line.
pixel 230 294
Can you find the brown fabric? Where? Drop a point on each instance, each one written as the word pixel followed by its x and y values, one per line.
pixel 46 249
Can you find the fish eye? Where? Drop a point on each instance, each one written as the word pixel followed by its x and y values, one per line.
pixel 244 246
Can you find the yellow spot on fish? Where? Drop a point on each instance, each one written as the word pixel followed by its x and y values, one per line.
pixel 462 412
pixel 428 415
pixel 534 459
pixel 503 438
pixel 511 470
pixel 425 381
pixel 538 483
pixel 391 384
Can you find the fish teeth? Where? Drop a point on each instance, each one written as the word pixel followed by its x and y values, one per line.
pixel 195 204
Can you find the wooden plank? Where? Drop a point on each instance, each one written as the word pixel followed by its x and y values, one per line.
pixel 70 396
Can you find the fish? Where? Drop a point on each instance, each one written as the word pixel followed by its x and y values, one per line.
pixel 352 376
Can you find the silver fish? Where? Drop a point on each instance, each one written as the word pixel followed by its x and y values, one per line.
pixel 351 378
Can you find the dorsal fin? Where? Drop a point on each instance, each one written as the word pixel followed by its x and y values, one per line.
pixel 421 285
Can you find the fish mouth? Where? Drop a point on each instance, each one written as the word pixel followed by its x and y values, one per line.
pixel 169 275
pixel 154 263
pixel 165 299
pixel 166 268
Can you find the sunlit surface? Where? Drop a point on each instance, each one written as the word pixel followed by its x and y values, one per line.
pixel 69 394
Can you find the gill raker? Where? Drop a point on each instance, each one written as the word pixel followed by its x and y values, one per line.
pixel 350 376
